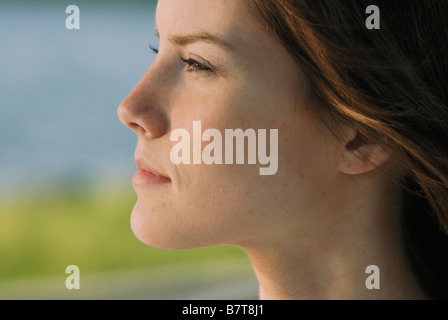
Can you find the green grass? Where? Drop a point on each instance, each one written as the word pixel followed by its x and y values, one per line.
pixel 41 234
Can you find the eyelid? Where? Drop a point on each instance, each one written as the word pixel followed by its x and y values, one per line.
pixel 204 65
pixel 196 66
pixel 200 61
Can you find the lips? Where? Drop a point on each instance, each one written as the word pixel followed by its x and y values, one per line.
pixel 148 175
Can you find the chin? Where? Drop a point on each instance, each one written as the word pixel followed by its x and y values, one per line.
pixel 163 229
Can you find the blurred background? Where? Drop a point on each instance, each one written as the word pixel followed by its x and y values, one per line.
pixel 66 162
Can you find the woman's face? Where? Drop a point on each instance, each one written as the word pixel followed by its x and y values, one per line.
pixel 241 78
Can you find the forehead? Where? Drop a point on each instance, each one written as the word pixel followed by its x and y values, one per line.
pixel 225 18
pixel 256 50
pixel 230 20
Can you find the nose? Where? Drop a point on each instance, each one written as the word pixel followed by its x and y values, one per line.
pixel 141 110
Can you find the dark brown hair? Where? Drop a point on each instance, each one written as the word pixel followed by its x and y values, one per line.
pixel 391 83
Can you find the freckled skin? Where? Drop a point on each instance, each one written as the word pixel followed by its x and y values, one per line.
pixel 208 204
pixel 304 227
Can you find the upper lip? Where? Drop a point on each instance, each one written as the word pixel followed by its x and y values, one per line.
pixel 143 166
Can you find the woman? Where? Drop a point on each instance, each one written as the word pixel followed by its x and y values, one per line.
pixel 362 124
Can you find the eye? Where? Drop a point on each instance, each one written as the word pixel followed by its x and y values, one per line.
pixel 195 66
pixel 192 65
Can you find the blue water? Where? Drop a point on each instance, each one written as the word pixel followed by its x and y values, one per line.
pixel 60 89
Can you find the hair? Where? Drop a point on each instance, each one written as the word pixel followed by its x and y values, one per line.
pixel 390 83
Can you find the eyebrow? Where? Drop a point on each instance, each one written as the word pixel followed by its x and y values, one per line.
pixel 186 39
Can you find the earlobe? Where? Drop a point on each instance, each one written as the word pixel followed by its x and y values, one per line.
pixel 361 156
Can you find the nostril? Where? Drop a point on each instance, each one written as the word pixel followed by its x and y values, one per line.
pixel 138 129
pixel 143 119
pixel 125 117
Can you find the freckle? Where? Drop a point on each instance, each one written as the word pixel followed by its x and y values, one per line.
pixel 323 194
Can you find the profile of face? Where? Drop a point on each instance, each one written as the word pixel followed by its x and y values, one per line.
pixel 217 65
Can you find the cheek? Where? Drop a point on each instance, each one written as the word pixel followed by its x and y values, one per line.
pixel 223 104
pixel 215 204
pixel 212 204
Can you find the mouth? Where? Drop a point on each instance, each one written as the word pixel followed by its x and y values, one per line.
pixel 146 175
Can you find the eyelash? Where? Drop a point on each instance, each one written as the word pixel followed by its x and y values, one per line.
pixel 192 65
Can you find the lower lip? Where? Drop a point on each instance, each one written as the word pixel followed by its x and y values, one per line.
pixel 144 178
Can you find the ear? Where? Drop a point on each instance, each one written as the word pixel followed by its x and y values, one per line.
pixel 361 156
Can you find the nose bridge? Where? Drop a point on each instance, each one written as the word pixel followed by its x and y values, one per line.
pixel 142 110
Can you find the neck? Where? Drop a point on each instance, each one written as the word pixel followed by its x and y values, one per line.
pixel 330 262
